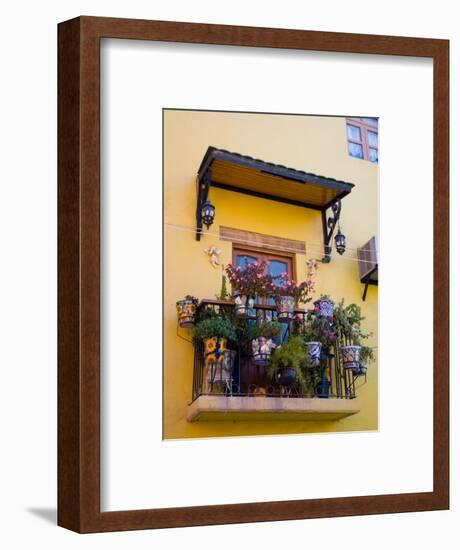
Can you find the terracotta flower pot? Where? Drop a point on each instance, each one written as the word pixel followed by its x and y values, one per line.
pixel 285 306
pixel 186 312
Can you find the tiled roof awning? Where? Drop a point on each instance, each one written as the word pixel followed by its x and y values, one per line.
pixel 245 174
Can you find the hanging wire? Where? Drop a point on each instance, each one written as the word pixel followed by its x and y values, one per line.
pixel 318 246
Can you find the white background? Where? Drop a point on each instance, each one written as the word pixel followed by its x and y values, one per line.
pixel 135 461
pixel 28 277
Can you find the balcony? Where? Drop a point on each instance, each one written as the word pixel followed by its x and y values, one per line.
pixel 242 389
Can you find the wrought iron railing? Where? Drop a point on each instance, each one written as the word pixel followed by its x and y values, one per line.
pixel 236 373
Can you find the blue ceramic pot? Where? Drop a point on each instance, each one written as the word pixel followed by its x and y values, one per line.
pixel 286 377
pixel 324 307
pixel 314 352
pixel 322 389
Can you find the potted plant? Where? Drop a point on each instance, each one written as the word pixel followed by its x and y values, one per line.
pixel 215 333
pixel 367 356
pixel 289 294
pixel 262 336
pixel 248 283
pixel 289 364
pixel 319 336
pixel 348 321
pixel 219 373
pixel 350 356
pixel 223 295
pixel 324 306
pixel 186 311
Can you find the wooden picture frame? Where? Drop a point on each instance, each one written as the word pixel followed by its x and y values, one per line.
pixel 79 274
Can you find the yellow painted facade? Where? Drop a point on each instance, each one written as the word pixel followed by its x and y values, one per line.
pixel 312 144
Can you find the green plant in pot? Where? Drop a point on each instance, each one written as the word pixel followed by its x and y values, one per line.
pixel 223 295
pixel 348 320
pixel 262 338
pixel 288 294
pixel 215 333
pixel 320 335
pixel 248 283
pixel 367 357
pixel 290 364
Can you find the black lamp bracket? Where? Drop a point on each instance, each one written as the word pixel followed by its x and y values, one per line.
pixel 329 224
pixel 203 185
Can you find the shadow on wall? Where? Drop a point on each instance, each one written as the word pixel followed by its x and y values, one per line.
pixel 47 514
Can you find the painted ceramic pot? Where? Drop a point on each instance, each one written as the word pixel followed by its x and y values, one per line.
pixel 214 349
pixel 243 303
pixel 228 363
pixel 362 369
pixel 285 306
pixel 286 377
pixel 324 307
pixel 299 325
pixel 186 312
pixel 261 349
pixel 314 352
pixel 350 357
pixel 218 370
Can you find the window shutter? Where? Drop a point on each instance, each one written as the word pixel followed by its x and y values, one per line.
pixel 368 260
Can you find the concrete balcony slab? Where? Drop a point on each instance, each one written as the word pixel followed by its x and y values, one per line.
pixel 220 407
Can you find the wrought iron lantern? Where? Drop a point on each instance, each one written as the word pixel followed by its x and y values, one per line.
pixel 329 225
pixel 340 242
pixel 207 213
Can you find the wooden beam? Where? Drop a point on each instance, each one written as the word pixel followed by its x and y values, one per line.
pixel 259 240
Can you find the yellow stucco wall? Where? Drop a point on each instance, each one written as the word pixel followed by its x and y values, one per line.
pixel 313 144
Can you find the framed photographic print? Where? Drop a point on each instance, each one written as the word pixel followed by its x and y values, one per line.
pixel 253 274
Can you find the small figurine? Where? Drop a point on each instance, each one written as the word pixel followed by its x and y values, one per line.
pixel 213 253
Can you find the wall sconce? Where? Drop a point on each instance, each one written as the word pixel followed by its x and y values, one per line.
pixel 208 212
pixel 329 225
pixel 340 242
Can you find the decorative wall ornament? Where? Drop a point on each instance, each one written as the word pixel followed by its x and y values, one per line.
pixel 213 252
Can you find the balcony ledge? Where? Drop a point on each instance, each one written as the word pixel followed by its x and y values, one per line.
pixel 234 408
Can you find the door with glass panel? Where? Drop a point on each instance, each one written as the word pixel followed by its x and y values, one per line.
pixel 253 376
pixel 277 265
